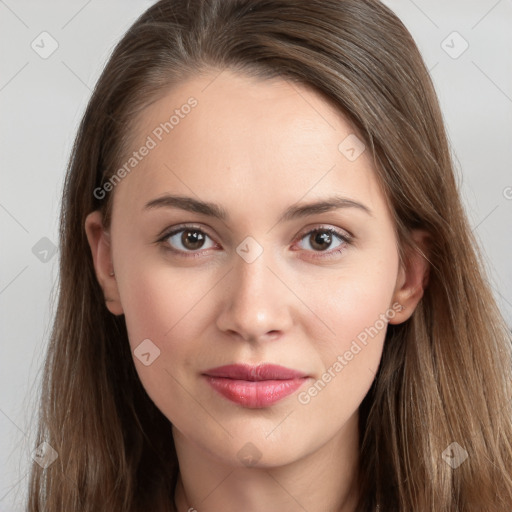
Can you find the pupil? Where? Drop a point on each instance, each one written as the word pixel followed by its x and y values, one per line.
pixel 192 239
pixel 318 238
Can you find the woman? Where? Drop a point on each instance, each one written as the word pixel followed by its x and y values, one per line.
pixel 208 353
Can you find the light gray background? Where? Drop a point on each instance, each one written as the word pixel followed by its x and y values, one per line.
pixel 42 101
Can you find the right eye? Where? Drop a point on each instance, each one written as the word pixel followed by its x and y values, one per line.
pixel 186 239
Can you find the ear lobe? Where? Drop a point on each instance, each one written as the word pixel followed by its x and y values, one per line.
pixel 99 243
pixel 412 277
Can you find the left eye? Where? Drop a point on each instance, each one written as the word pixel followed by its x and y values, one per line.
pixel 321 238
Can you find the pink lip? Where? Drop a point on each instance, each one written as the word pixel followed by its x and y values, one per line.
pixel 254 386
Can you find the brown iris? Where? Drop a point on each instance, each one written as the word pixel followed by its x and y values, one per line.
pixel 320 240
pixel 192 239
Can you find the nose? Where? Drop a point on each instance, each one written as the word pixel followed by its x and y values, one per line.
pixel 257 306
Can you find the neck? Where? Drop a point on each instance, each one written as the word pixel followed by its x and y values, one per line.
pixel 324 480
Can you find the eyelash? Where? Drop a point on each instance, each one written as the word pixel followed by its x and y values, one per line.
pixel 345 238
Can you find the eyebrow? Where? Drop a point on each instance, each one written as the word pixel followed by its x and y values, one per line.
pixel 293 212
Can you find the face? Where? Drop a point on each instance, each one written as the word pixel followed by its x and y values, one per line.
pixel 271 281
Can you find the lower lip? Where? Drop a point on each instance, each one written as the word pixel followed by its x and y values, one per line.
pixel 254 394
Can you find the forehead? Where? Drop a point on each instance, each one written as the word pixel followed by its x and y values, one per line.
pixel 259 138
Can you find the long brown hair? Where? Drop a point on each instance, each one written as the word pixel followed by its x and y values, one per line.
pixel 445 373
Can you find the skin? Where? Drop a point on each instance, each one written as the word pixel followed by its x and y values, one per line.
pixel 255 147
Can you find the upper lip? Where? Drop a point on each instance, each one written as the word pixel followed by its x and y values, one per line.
pixel 254 373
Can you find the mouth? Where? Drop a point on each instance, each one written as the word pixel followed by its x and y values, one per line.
pixel 255 386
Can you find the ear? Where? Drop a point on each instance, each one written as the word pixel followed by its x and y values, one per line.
pixel 412 277
pixel 99 242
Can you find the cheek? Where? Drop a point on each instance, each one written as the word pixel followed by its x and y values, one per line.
pixel 356 307
pixel 359 305
pixel 157 300
pixel 349 361
pixel 359 325
pixel 170 317
pixel 164 307
pixel 356 299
